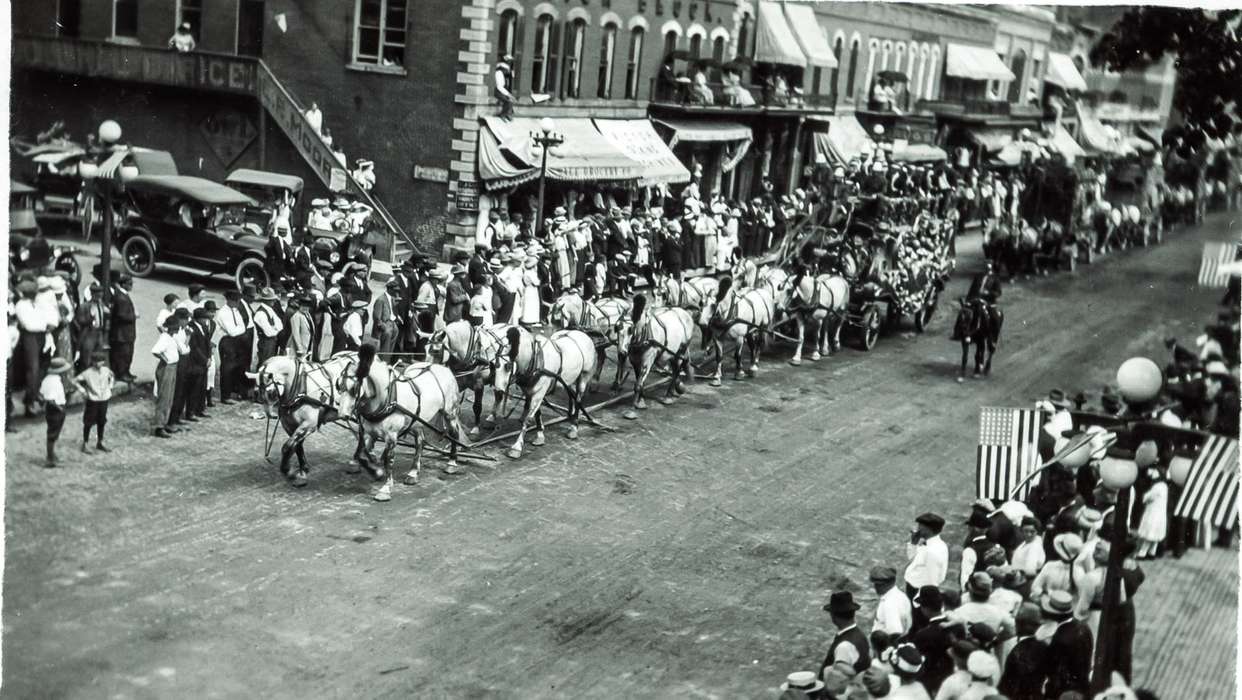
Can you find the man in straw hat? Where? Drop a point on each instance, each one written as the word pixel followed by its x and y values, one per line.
pixel 850 644
pixel 269 322
pixel 52 392
pixel 1069 650
pixel 804 682
pixel 354 325
pixel 503 83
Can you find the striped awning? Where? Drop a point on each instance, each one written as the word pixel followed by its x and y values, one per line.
pixel 845 140
pixel 975 63
pixel 1063 72
pixel 774 40
pixel 810 37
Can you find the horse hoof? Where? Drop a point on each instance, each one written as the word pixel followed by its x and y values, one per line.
pixel 572 434
pixel 474 432
pixel 298 480
pixel 630 415
pixel 383 497
pixel 795 362
pixel 681 390
pixel 452 468
pixel 410 480
pixel 539 440
pixel 816 357
pixel 514 453
pixel 960 379
pixel 737 377
pixel 641 404
pixel 353 468
pixel 665 401
pixel 715 382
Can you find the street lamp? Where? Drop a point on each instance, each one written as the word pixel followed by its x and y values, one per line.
pixel 106 187
pixel 546 138
pixel 1118 471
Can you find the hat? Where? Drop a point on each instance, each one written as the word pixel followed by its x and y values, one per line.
pixel 1088 518
pixel 59 365
pixel 340 202
pixel 58 285
pixel 931 520
pixel 99 356
pixel 559 211
pixel 201 312
pixel 44 284
pixel 268 294
pixel 182 313
pixel 979 583
pixel 875 680
pixel 982 634
pixel 1057 604
pixel 438 275
pixel 185 26
pixel 804 681
pixel 171 321
pixel 392 284
pixel 1057 398
pixel 320 202
pixel 983 666
pixel 27 288
pixel 841 603
pixel 458 269
pixel 231 295
pixel 1067 546
pixel 995 555
pixel 1027 617
pixel 881 574
pixel 978 519
pixel 196 289
pixel 358 304
pixel 1216 368
pixel 1014 511
pixel 929 596
pixel 907 659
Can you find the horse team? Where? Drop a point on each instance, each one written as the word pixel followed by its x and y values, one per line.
pixel 390 403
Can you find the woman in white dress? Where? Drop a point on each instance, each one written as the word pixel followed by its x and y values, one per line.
pixel 1154 525
pixel 530 288
pixel 727 241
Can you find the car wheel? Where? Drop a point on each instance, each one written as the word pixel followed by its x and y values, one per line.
pixel 139 257
pixel 250 271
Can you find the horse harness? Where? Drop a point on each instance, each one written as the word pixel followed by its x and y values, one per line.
pixel 296 394
pixel 391 405
pixel 733 317
pixel 643 337
pixel 814 303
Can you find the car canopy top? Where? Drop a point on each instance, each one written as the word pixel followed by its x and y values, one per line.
pixel 189 187
pixel 262 178
pixel 17 188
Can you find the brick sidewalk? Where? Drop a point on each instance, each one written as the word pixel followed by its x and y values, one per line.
pixel 1186 643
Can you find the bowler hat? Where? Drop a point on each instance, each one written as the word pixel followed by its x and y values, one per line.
pixel 201 312
pixel 841 603
pixel 978 519
pixel 979 583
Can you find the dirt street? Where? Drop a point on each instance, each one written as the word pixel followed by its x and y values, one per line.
pixel 685 555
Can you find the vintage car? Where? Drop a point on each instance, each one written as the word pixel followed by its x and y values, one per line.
pixel 192 222
pixel 28 250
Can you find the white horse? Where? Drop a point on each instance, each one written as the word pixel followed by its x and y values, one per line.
pixel 654 335
pixel 475 348
pixel 690 294
pixel 390 405
pixel 602 317
pixel 744 316
pixel 304 397
pixel 536 365
pixel 820 302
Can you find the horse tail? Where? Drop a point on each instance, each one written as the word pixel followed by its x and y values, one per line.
pixel 515 338
pixel 725 284
pixel 640 305
pixel 366 356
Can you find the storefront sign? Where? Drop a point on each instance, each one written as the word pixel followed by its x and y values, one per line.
pixel 914 133
pixel 468 196
pixel 423 172
pixel 136 63
pixel 228 132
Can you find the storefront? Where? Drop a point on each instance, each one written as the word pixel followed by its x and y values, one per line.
pixel 714 147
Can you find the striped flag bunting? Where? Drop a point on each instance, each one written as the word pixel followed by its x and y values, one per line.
pixel 1211 491
pixel 1008 451
pixel 1214 268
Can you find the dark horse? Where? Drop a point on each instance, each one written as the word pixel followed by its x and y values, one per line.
pixel 976 325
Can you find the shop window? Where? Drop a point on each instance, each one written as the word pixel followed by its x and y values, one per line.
pixel 855 47
pixel 543 46
pixel 125 18
pixel 634 64
pixel 191 11
pixel 511 42
pixel 1019 69
pixel 574 41
pixel 607 48
pixel 379 33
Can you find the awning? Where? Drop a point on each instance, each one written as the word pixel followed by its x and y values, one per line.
pixel 153 162
pixel 774 40
pixel 845 140
pixel 1011 153
pixel 992 140
pixel 508 156
pixel 919 153
pixel 637 139
pixel 1154 134
pixel 1063 72
pixel 1139 144
pixel 975 63
pixel 1094 135
pixel 1065 144
pixel 811 40
pixel 712 132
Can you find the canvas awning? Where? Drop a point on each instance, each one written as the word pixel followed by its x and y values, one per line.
pixel 712 132
pixel 919 153
pixel 774 40
pixel 810 37
pixel 507 155
pixel 1063 72
pixel 1011 153
pixel 845 139
pixel 975 63
pixel 992 140
pixel 1065 144
pixel 1093 134
pixel 1139 144
pixel 637 139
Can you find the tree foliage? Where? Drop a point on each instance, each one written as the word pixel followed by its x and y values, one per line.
pixel 1205 46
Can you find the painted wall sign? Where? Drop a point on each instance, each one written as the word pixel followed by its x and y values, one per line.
pixel 228 132
pixel 468 196
pixel 136 63
pixel 423 172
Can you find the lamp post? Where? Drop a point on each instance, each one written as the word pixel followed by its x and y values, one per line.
pixel 1118 471
pixel 546 138
pixel 106 187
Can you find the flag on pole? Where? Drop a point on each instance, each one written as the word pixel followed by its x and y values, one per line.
pixel 1214 269
pixel 1211 491
pixel 1008 451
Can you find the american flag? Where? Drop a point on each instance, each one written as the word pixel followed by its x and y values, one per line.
pixel 1214 270
pixel 1008 451
pixel 1211 491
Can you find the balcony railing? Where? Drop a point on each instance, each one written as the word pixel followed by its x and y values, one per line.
pixel 981 108
pixel 682 94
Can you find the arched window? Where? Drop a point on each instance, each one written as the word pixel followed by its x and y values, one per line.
pixel 887 50
pixel 873 55
pixel 510 44
pixel 543 49
pixel 1018 66
pixel 718 52
pixel 743 36
pixel 670 43
pixel 607 48
pixel 838 48
pixel 696 46
pixel 573 57
pixel 634 64
pixel 930 92
pixel 855 47
pixel 916 80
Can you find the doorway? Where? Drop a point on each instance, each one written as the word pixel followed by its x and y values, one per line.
pixel 250 27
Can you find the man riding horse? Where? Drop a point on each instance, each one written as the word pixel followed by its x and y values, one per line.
pixel 985 291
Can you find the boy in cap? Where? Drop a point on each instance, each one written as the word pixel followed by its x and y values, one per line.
pixel 196 361
pixel 95 383
pixel 52 392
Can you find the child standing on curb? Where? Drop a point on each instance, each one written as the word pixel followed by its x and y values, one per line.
pixel 52 390
pixel 96 384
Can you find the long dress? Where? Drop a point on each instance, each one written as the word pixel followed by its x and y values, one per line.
pixel 530 295
pixel 1154 525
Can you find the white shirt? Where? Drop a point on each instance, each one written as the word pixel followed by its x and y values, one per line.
pixel 929 562
pixel 1029 557
pixel 269 322
pixel 160 318
pixel 189 305
pixel 52 389
pixel 893 613
pixel 318 219
pixel 231 322
pixel 481 306
pixel 29 317
pixel 183 342
pixel 165 349
pixel 353 326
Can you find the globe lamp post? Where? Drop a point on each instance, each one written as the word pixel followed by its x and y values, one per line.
pixel 106 187
pixel 546 138
pixel 1118 471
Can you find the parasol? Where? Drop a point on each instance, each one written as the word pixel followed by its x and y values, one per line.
pixel 893 76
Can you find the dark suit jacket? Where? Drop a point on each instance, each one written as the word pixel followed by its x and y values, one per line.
pixel 1068 665
pixel 200 349
pixel 985 287
pixel 123 329
pixel 477 272
pixel 385 321
pixel 1025 670
pixel 934 641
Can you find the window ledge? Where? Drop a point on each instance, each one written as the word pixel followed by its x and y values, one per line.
pixel 372 68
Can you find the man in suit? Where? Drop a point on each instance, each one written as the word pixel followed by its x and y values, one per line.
pixel 933 639
pixel 303 259
pixel 1068 664
pixel 336 307
pixel 248 302
pixel 196 364
pixel 387 326
pixel 181 388
pixel 402 293
pixel 209 327
pixel 277 254
pixel 269 323
pixel 1025 666
pixel 850 644
pixel 301 328
pixel 124 329
pixel 477 268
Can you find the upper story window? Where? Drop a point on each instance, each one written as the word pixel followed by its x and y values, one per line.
pixel 718 52
pixel 1019 68
pixel 573 57
pixel 607 49
pixel 838 49
pixel 543 47
pixel 670 43
pixel 191 11
pixel 379 32
pixel 125 18
pixel 696 46
pixel 855 47
pixel 743 36
pixel 634 64
pixel 510 44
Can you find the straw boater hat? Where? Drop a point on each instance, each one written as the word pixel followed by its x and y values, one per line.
pixel 804 681
pixel 458 269
pixel 358 304
pixel 438 275
pixel 268 294
pixel 1067 546
pixel 59 365
pixel 1057 605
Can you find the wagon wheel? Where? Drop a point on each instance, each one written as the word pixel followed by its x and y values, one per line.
pixel 924 315
pixel 870 327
